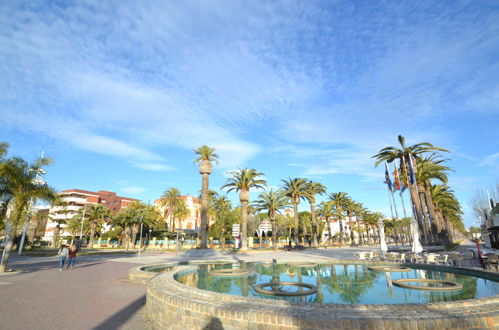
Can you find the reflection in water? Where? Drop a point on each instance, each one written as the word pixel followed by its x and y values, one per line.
pixel 337 284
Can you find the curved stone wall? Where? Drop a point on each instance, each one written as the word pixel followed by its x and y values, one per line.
pixel 172 305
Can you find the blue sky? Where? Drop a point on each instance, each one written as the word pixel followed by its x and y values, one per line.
pixel 119 93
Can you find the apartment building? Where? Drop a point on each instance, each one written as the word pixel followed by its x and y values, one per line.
pixel 77 199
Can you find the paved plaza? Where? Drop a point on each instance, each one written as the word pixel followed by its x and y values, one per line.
pixel 97 293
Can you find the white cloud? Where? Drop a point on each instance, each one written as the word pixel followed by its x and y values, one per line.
pixel 490 160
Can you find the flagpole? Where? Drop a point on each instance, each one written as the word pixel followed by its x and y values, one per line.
pixel 391 209
pixel 403 206
pixel 395 206
pixel 389 185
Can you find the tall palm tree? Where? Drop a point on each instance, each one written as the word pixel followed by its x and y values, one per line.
pixel 223 218
pixel 295 190
pixel 339 201
pixel 242 180
pixel 96 215
pixel 326 210
pixel 207 155
pixel 170 200
pixel 272 202
pixel 358 209
pixel 181 212
pixel 312 189
pixel 430 168
pixel 404 154
pixel 350 208
pixel 19 188
pixel 448 209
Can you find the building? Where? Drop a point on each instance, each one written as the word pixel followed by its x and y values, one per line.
pixel 77 199
pixel 490 227
pixel 192 219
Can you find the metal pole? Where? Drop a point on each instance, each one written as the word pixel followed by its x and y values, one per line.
pixel 23 237
pixel 391 209
pixel 140 240
pixel 403 204
pixel 176 247
pixel 82 219
pixel 395 206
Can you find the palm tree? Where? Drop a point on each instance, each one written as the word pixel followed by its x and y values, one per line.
pixel 295 190
pixel 242 180
pixel 428 169
pixel 19 188
pixel 206 156
pixel 223 218
pixel 313 189
pixel 448 209
pixel 358 209
pixel 326 210
pixel 272 202
pixel 349 208
pixel 404 154
pixel 181 212
pixel 170 200
pixel 96 215
pixel 339 200
pixel 73 226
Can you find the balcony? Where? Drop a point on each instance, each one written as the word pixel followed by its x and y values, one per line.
pixel 80 200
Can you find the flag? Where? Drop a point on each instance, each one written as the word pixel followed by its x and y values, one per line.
pixel 404 173
pixel 396 174
pixel 411 171
pixel 387 178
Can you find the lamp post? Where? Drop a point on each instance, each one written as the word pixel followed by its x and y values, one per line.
pixel 81 228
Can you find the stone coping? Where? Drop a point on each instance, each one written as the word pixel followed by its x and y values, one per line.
pixel 172 305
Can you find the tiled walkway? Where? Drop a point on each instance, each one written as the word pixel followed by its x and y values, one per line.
pixel 97 294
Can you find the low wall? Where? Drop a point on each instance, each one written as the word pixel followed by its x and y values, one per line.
pixel 172 305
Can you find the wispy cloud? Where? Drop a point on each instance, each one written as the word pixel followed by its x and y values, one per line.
pixel 490 160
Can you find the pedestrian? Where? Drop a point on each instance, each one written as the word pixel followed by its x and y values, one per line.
pixel 72 256
pixel 63 253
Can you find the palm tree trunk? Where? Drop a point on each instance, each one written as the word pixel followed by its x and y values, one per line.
pixel 433 214
pixel 417 212
pixel 297 229
pixel 341 231
pixel 56 236
pixel 244 225
pixel 424 208
pixel 204 211
pixel 361 240
pixel 9 240
pixel 92 234
pixel 351 228
pixel 274 234
pixel 314 224
pixel 134 234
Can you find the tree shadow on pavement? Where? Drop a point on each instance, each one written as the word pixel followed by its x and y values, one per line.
pixel 47 265
pixel 121 317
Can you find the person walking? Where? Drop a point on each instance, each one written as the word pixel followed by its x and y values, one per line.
pixel 63 253
pixel 72 256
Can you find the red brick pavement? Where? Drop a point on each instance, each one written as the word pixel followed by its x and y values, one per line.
pixel 95 295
